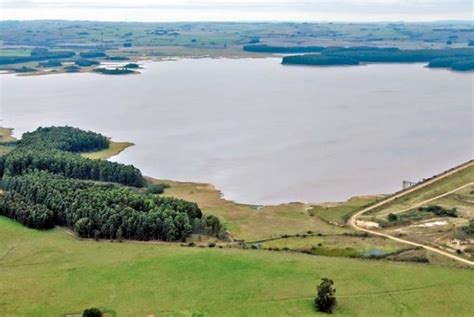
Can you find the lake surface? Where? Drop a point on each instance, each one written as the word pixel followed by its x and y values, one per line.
pixel 261 132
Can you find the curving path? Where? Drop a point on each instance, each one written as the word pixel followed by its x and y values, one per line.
pixel 353 220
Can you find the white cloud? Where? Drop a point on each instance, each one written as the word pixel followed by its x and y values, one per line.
pixel 225 10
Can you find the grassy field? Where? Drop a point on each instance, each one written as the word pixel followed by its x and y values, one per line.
pixel 245 221
pixel 51 274
pixel 5 136
pixel 15 52
pixel 114 149
pixel 340 213
pixel 356 246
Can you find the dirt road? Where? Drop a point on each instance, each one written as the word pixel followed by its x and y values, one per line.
pixel 353 220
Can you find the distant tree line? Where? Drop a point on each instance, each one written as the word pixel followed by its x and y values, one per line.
pixel 46 55
pixel 83 62
pixel 92 54
pixel 264 48
pixel 461 59
pixel 117 58
pixel 318 60
pixel 51 63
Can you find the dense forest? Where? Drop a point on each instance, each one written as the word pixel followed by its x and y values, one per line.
pixel 461 59
pixel 65 139
pixel 46 184
pixel 24 160
pixel 318 60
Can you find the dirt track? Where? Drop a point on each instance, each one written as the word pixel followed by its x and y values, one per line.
pixel 353 220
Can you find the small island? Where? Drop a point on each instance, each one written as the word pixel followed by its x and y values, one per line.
pixel 114 71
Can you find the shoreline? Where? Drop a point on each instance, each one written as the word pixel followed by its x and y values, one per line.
pixel 117 147
pixel 155 56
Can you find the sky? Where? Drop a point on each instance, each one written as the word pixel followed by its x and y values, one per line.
pixel 238 10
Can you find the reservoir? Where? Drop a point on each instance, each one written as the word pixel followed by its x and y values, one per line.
pixel 261 132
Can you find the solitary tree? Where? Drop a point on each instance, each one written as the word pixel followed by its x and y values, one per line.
pixel 325 299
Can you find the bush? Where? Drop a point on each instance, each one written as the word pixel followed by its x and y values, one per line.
pixel 440 211
pixel 325 300
pixel 92 312
pixel 157 188
pixel 392 217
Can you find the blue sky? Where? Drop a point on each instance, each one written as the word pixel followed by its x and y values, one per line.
pixel 238 10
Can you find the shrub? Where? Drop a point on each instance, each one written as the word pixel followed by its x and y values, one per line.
pixel 440 211
pixel 92 312
pixel 392 217
pixel 157 188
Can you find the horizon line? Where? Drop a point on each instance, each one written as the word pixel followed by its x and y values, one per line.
pixel 249 21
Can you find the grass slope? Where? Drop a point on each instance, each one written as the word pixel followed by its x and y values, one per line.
pixel 51 274
pixel 339 213
pixel 440 187
pixel 6 136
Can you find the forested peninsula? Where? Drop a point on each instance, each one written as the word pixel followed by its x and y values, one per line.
pixel 46 183
pixel 459 59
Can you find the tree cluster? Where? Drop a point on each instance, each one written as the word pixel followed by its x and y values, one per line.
pixel 102 211
pixel 65 139
pixel 35 57
pixel 86 62
pixel 24 160
pixel 92 54
pixel 318 60
pixel 264 48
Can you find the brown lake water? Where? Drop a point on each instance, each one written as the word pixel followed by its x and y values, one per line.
pixel 261 132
